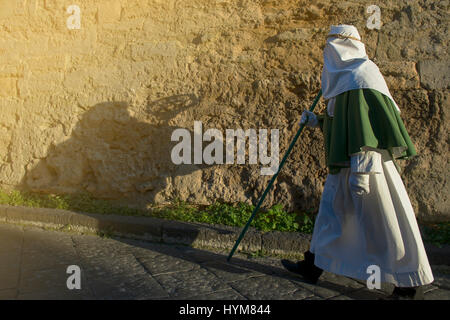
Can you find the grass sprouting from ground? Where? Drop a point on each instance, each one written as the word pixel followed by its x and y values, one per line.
pixel 437 233
pixel 236 214
pixel 275 218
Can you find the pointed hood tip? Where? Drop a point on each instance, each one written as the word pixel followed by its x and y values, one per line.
pixel 345 30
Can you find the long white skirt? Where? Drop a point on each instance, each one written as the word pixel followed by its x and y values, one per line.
pixel 353 232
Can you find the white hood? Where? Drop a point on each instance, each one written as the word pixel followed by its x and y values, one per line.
pixel 347 66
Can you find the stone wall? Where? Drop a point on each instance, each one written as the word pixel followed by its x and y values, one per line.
pixel 93 109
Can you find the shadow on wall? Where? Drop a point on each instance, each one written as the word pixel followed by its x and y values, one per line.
pixel 113 153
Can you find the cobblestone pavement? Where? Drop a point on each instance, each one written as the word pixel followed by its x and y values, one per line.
pixel 34 262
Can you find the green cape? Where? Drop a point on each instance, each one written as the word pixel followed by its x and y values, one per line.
pixel 363 118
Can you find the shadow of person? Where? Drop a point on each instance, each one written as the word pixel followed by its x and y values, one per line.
pixel 116 152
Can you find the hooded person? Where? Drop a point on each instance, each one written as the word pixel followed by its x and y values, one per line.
pixel 365 216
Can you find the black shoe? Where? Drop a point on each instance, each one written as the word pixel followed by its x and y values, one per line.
pixel 305 268
pixel 410 293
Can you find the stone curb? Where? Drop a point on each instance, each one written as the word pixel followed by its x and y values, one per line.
pixel 160 230
pixel 176 232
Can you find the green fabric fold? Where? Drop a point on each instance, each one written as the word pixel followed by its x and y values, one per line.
pixel 363 118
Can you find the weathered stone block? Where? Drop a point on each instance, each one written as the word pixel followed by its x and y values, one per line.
pixel 8 87
pixel 38 215
pixel 434 74
pixel 8 8
pixel 57 63
pixel 109 11
pixel 276 242
pixel 76 81
pixel 400 75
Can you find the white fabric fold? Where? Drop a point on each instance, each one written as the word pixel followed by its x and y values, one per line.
pixel 366 162
pixel 359 184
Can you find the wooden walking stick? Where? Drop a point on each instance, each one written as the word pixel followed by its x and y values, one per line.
pixel 291 146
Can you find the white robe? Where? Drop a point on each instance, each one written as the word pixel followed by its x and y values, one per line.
pixel 355 231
